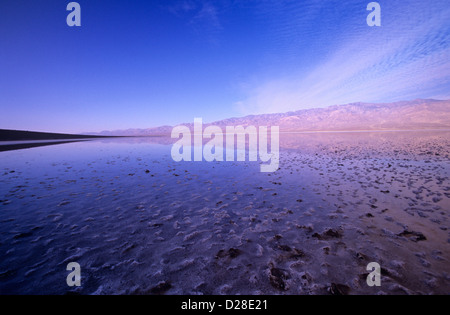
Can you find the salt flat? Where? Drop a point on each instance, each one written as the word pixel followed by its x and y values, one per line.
pixel 139 223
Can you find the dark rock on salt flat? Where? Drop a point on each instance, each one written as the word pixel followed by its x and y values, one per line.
pixel 278 237
pixel 22 235
pixel 330 233
pixel 339 289
pixel 278 277
pixel 296 254
pixel 361 256
pixel 161 288
pixel 284 248
pixel 232 253
pixel 385 272
pixel 221 254
pixel 413 236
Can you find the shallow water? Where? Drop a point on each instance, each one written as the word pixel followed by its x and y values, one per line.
pixel 139 223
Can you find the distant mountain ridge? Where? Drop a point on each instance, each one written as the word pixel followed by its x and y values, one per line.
pixel 420 114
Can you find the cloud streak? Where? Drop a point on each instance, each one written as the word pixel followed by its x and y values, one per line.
pixel 202 17
pixel 405 58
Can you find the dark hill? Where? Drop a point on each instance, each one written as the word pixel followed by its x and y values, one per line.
pixel 20 135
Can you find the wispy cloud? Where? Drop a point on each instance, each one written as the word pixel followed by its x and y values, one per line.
pixel 405 58
pixel 207 14
pixel 201 16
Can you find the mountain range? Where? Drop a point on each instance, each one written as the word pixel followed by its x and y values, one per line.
pixel 420 114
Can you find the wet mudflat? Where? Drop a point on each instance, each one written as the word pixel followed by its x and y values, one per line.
pixel 139 223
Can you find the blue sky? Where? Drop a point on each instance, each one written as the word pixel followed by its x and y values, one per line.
pixel 138 64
